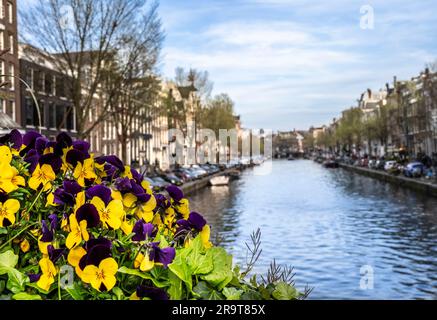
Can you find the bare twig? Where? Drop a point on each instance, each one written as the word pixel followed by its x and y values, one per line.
pixel 254 250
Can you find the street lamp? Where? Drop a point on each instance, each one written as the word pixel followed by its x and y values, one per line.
pixel 31 93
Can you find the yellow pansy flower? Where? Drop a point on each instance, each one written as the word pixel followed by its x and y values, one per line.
pixel 49 272
pixel 183 208
pixel 127 227
pixel 204 236
pixel 74 257
pixel 78 232
pixel 25 246
pixel 143 262
pixel 10 179
pixel 103 274
pixel 84 171
pixel 111 214
pixel 5 155
pixel 42 175
pixel 8 211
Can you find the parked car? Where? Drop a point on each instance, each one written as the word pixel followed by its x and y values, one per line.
pixel 172 178
pixel 159 182
pixel 414 169
pixel 155 186
pixel 372 164
pixel 364 163
pixel 184 174
pixel 389 165
pixel 380 164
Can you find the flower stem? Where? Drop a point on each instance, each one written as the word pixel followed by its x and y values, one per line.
pixel 59 286
pixel 30 225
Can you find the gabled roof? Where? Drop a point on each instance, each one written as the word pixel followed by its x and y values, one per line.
pixel 185 91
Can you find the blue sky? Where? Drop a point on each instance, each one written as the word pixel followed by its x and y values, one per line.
pixel 293 63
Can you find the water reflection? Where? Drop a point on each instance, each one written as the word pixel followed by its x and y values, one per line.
pixel 328 224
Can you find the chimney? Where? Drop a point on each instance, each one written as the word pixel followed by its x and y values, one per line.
pixel 395 81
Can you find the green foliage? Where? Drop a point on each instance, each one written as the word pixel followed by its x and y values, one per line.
pixel 218 114
pixel 16 279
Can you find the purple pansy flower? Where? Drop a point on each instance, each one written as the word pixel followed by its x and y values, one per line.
pixel 74 156
pixel 55 254
pixel 100 191
pixel 195 221
pixel 164 256
pixel 47 234
pixel 123 184
pixel 113 160
pixel 142 231
pixel 97 250
pixel 152 293
pixel 34 277
pixel 89 213
pixel 175 193
pixel 14 139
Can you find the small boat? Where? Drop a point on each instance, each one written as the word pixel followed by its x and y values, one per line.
pixel 330 164
pixel 290 158
pixel 219 181
pixel 234 174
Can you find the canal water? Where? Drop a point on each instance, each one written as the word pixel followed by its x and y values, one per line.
pixel 346 235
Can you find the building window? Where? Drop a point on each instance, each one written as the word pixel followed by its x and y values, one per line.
pixel 52 115
pixel 11 12
pixel 42 113
pixel 60 113
pixel 31 113
pixel 2 40
pixel 60 90
pixel 2 69
pixel 70 118
pixel 11 44
pixel 48 84
pixel 12 75
pixel 38 76
pixel 28 77
pixel 12 108
pixel 2 10
pixel 2 105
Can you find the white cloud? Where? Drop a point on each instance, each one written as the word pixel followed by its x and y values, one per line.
pixel 312 65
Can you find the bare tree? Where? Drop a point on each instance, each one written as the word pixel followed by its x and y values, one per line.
pixel 130 81
pixel 198 79
pixel 83 34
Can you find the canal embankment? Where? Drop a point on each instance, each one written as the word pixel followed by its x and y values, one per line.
pixel 193 186
pixel 411 183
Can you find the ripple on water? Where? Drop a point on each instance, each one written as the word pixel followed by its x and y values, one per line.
pixel 328 224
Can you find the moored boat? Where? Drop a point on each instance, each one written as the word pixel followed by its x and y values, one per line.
pixel 330 164
pixel 219 181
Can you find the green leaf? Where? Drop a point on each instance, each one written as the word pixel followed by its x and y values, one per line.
pixel 3 231
pixel 8 260
pixel 118 293
pixel 144 275
pixel 222 273
pixel 198 261
pixel 26 296
pixel 206 292
pixel 16 280
pixel 176 289
pixel 284 291
pixel 2 285
pixel 76 291
pixel 251 295
pixel 180 268
pixel 232 293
